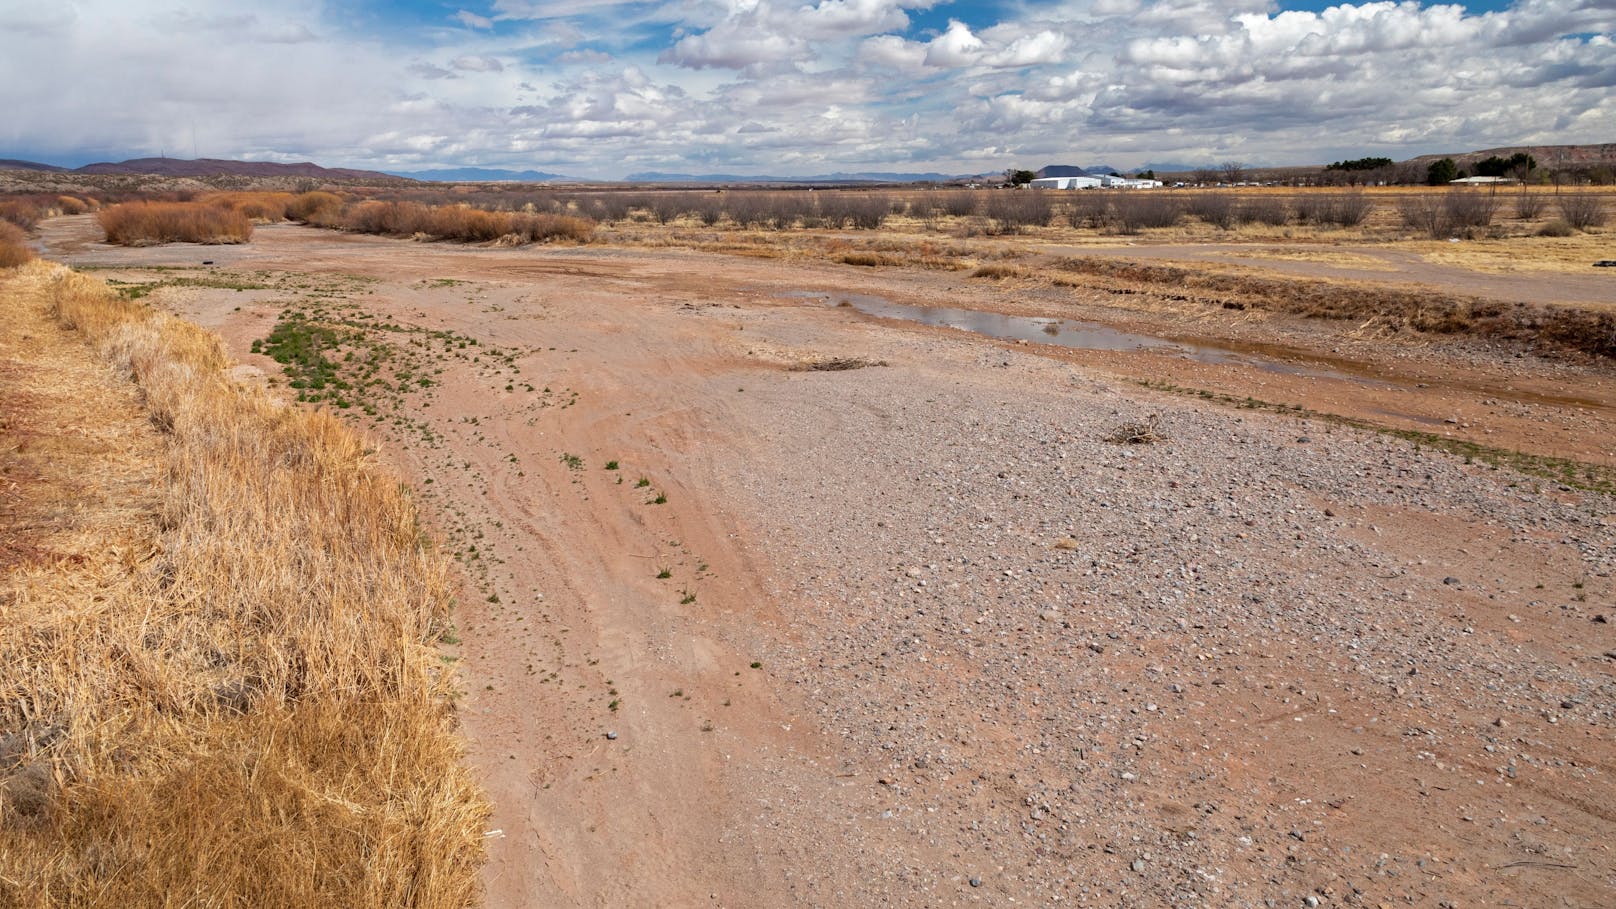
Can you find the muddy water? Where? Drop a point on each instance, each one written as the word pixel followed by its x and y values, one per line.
pixel 1071 333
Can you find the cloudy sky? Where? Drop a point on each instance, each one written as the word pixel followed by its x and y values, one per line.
pixel 601 88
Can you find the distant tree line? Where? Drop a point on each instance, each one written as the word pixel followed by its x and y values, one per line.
pixel 1360 164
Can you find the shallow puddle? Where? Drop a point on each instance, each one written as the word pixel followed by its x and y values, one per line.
pixel 1065 333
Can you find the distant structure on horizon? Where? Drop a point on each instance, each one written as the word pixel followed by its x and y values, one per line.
pixel 1102 181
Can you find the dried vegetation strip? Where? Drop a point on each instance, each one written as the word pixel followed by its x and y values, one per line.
pixel 217 681
pixel 1566 327
pixel 153 223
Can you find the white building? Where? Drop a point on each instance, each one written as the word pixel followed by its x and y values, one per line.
pixel 1106 181
pixel 1113 181
pixel 1066 183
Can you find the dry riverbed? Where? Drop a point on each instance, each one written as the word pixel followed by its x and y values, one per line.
pixel 915 631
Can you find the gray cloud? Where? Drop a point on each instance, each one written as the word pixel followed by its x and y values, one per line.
pixel 597 87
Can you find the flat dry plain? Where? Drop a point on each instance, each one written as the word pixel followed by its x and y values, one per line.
pixel 775 601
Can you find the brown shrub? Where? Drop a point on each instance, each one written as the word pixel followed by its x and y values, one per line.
pixel 957 203
pixel 259 207
pixel 1011 210
pixel 1582 210
pixel 14 249
pixel 1529 205
pixel 24 213
pixel 152 223
pixel 1214 208
pixel 861 211
pixel 1269 210
pixel 314 207
pixel 1135 210
pixel 460 222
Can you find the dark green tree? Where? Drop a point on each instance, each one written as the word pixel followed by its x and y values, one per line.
pixel 1018 177
pixel 1442 172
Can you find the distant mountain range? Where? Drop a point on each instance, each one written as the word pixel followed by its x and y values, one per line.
pixel 1175 167
pixel 482 175
pixel 203 167
pixel 861 177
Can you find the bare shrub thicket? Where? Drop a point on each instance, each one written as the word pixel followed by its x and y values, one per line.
pixel 1582 210
pixel 14 249
pixel 666 207
pixel 1214 208
pixel 1010 210
pixel 1440 215
pixel 708 208
pixel 1529 205
pixel 608 207
pixel 1134 210
pixel 1270 210
pixel 760 209
pixel 1469 209
pixel 231 694
pixel 151 223
pixel 1088 208
pixel 1340 209
pixel 861 211
pixel 955 203
pixel 460 222
pixel 1426 213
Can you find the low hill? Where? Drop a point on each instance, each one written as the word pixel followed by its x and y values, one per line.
pixel 14 164
pixel 1552 156
pixel 209 167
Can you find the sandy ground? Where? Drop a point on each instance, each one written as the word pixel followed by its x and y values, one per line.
pixel 927 638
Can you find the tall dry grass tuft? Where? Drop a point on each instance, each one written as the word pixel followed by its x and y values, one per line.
pixel 14 249
pixel 234 699
pixel 152 223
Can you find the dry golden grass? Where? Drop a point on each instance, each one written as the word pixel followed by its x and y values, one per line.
pixel 14 249
pixel 218 685
pixel 1575 254
pixel 153 223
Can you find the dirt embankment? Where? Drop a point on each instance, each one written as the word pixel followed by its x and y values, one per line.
pixel 920 633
